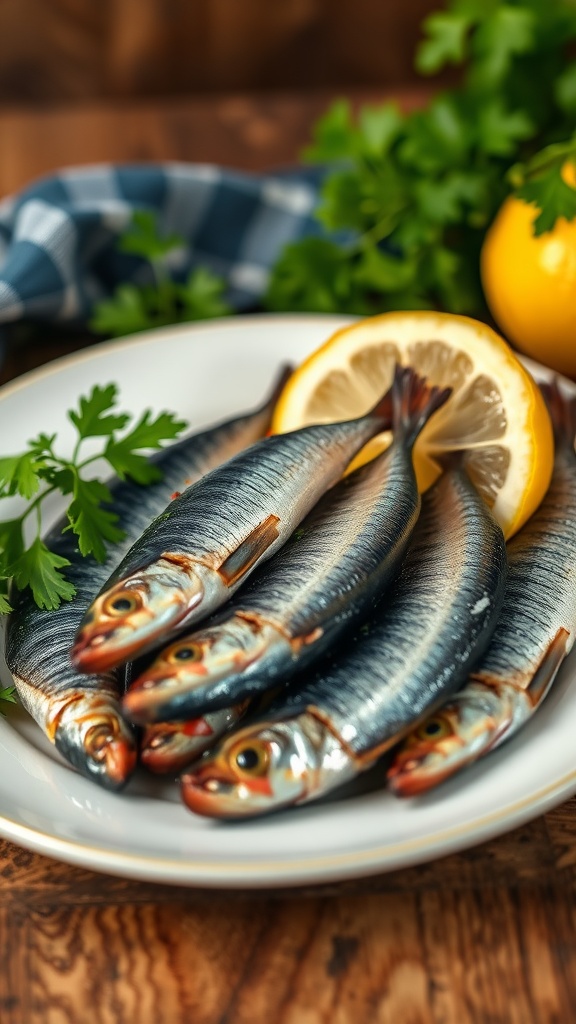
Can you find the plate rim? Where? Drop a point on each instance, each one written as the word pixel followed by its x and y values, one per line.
pixel 53 366
pixel 306 869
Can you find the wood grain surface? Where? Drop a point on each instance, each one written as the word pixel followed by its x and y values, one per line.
pixel 482 937
pixel 487 936
pixel 250 131
pixel 80 50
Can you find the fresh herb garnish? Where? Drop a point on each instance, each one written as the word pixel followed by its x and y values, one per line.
pixel 7 696
pixel 137 308
pixel 414 194
pixel 40 471
pixel 540 181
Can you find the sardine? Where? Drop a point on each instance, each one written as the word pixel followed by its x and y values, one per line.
pixel 81 714
pixel 534 634
pixel 296 606
pixel 414 651
pixel 171 746
pixel 194 556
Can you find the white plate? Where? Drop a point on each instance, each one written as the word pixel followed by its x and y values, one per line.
pixel 204 373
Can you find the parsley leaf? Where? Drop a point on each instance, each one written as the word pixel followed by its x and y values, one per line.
pixel 379 271
pixel 7 694
pixel 143 238
pixel 42 445
pixel 499 130
pixel 19 474
pixel 343 198
pixel 335 137
pixel 122 455
pixel 38 568
pixel 89 516
pixel 438 138
pixel 378 129
pixel 553 197
pixel 306 277
pixel 90 421
pixel 565 90
pixel 11 543
pixel 446 44
pixel 202 296
pixel 93 524
pixel 125 313
pixel 501 36
pixel 444 200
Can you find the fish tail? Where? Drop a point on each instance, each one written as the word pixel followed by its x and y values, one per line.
pixel 412 402
pixel 562 409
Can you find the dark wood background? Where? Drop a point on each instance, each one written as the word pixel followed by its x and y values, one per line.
pixel 77 50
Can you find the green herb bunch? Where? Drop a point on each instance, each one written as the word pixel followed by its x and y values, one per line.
pixel 414 194
pixel 40 470
pixel 135 308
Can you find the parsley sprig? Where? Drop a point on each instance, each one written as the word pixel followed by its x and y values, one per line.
pixel 135 308
pixel 541 181
pixel 408 197
pixel 40 471
pixel 7 696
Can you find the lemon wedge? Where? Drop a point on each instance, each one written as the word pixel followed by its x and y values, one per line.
pixel 496 416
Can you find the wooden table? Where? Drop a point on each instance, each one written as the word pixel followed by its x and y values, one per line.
pixel 483 937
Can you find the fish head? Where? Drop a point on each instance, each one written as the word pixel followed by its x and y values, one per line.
pixel 463 730
pixel 89 732
pixel 192 673
pixel 262 767
pixel 128 618
pixel 170 746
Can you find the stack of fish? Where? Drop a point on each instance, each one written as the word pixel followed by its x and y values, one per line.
pixel 344 615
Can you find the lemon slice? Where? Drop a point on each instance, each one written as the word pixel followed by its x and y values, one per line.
pixel 496 415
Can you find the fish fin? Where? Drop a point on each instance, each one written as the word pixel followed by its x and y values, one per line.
pixel 312 637
pixel 545 674
pixel 249 551
pixel 562 409
pixel 299 642
pixel 410 403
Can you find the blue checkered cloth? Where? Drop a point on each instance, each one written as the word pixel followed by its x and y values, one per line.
pixel 58 238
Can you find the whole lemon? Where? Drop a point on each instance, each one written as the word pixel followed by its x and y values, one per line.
pixel 530 282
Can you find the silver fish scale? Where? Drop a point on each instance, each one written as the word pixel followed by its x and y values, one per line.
pixel 540 593
pixel 351 543
pixel 435 625
pixel 38 642
pixel 212 518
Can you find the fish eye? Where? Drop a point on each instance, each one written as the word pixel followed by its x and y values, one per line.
pixel 96 741
pixel 185 652
pixel 252 757
pixel 121 603
pixel 435 729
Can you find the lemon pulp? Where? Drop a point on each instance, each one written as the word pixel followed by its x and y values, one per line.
pixel 496 416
